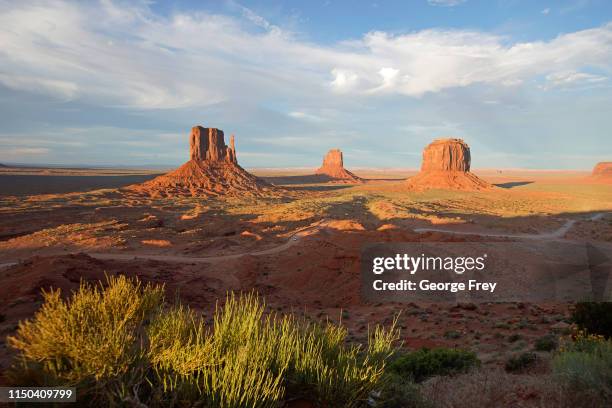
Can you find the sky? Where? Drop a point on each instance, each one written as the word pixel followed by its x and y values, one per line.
pixel 527 84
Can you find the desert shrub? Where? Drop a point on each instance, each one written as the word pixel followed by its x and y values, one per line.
pixel 584 365
pixel 89 340
pixel 121 345
pixel 422 364
pixel 494 388
pixel 400 392
pixel 521 362
pixel 546 343
pixel 594 317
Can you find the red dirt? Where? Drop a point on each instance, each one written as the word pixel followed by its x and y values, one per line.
pixel 200 178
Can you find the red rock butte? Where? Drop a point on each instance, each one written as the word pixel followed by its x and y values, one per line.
pixel 603 171
pixel 446 165
pixel 333 167
pixel 212 170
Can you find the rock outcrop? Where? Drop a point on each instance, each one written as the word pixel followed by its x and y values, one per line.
pixel 212 170
pixel 602 172
pixel 333 167
pixel 208 144
pixel 446 165
pixel 603 169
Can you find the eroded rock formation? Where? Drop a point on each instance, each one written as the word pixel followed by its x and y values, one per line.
pixel 211 171
pixel 208 144
pixel 602 172
pixel 333 167
pixel 446 165
pixel 446 155
pixel 603 169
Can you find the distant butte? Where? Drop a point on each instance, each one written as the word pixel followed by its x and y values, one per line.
pixel 333 167
pixel 446 165
pixel 602 172
pixel 212 170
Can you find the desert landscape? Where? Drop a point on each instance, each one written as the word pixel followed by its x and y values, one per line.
pixel 306 204
pixel 295 238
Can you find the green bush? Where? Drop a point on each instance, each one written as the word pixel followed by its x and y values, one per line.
pixel 422 364
pixel 585 367
pixel 521 362
pixel 594 317
pixel 400 392
pixel 546 343
pixel 120 344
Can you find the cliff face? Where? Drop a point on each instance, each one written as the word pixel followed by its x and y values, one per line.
pixel 446 165
pixel 446 155
pixel 333 167
pixel 603 169
pixel 208 144
pixel 212 170
pixel 602 173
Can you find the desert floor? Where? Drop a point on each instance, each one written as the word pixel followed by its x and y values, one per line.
pixel 299 249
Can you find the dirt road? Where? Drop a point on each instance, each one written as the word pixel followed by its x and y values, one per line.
pixel 556 234
pixel 295 238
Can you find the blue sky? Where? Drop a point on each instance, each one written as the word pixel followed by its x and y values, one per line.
pixel 526 83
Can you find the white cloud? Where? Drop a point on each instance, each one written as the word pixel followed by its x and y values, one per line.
pixel 344 80
pixel 305 116
pixel 445 3
pixel 546 11
pixel 63 89
pixel 572 78
pixel 111 55
pixel 9 154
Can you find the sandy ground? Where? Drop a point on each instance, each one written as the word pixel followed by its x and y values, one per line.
pixel 300 250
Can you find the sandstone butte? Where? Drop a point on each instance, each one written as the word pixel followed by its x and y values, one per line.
pixel 446 165
pixel 333 167
pixel 603 172
pixel 212 170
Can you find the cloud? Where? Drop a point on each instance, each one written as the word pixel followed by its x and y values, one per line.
pixel 306 116
pixel 572 78
pixel 344 80
pixel 10 154
pixel 445 3
pixel 106 54
pixel 546 11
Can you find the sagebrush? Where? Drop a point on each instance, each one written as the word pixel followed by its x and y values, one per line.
pixel 120 344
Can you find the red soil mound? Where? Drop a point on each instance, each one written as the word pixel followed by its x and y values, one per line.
pixel 333 166
pixel 212 171
pixel 446 165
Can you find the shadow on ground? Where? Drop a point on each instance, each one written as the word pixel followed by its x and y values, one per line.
pixel 513 184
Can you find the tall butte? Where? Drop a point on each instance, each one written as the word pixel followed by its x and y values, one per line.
pixel 446 165
pixel 333 167
pixel 212 170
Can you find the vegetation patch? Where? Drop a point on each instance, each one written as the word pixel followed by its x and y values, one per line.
pixel 594 317
pixel 521 362
pixel 121 344
pixel 425 363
